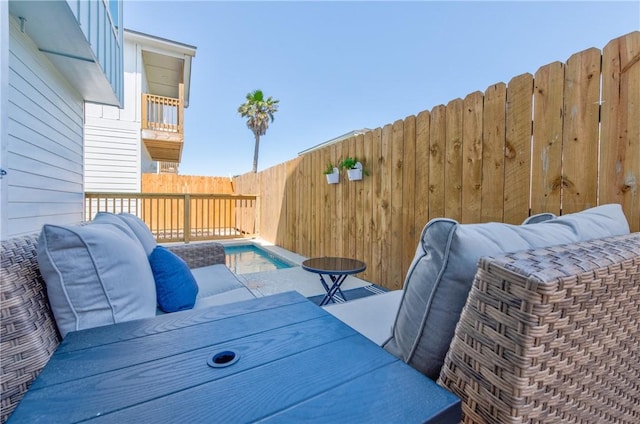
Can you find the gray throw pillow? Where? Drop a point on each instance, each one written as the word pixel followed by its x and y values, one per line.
pixel 441 274
pixel 96 274
pixel 141 230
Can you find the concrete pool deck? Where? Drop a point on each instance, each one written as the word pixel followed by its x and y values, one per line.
pixel 281 280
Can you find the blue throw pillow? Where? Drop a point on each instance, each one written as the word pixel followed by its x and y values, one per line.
pixel 176 288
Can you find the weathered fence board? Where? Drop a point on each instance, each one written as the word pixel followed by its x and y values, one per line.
pixel 423 123
pixel 453 161
pixel 580 132
pixel 620 134
pixel 409 190
pixel 472 157
pixel 517 166
pixel 547 139
pixel 494 123
pixel 437 138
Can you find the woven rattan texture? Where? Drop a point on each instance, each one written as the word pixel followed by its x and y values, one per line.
pixel 551 335
pixel 28 330
pixel 197 255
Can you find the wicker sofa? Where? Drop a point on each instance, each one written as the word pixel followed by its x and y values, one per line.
pixel 546 335
pixel 28 328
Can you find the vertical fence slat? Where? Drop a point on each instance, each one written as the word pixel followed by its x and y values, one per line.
pixel 320 200
pixel 517 166
pixel 360 199
pixel 437 137
pixel 546 173
pixel 367 205
pixel 421 207
pixel 620 144
pixel 453 161
pixel 373 268
pixel 409 191
pixel 472 157
pixel 347 218
pixel 394 279
pixel 384 207
pixel 580 132
pixel 495 99
pixel 334 208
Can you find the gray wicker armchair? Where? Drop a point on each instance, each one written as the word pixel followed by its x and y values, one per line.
pixel 29 335
pixel 551 335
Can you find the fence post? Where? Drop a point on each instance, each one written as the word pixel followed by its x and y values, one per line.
pixel 256 215
pixel 144 112
pixel 187 218
pixel 181 108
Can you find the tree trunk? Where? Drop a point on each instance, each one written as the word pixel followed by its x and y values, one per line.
pixel 255 154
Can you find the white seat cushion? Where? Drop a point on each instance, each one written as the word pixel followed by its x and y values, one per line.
pixel 371 316
pixel 217 285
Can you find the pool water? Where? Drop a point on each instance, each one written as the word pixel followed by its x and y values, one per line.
pixel 249 258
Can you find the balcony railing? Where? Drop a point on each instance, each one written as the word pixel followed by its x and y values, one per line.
pixel 168 167
pixel 182 217
pixel 163 126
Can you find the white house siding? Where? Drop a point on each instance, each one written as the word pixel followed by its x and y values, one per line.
pixel 44 142
pixel 113 152
pixel 112 155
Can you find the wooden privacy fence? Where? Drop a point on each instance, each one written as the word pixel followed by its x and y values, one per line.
pixel 173 183
pixel 562 140
pixel 182 217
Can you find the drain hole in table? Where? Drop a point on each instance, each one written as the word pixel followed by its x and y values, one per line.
pixel 223 359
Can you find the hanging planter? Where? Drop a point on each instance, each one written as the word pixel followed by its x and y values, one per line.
pixel 332 173
pixel 355 174
pixel 334 177
pixel 353 167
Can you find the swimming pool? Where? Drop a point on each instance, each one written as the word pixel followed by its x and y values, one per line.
pixel 246 259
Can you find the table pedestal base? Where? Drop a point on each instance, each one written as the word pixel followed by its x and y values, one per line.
pixel 337 281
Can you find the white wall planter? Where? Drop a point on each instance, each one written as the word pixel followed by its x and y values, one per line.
pixel 333 178
pixel 355 174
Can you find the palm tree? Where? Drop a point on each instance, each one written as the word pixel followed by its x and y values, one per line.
pixel 259 112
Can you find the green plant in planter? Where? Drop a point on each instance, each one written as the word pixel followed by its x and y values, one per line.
pixel 328 169
pixel 350 163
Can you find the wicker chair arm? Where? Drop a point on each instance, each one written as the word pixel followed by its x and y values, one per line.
pixel 551 335
pixel 200 254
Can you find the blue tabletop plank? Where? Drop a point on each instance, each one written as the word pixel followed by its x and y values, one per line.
pixel 273 386
pixel 394 393
pixel 158 345
pixel 128 386
pixel 98 336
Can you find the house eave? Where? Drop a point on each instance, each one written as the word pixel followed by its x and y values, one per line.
pixel 54 29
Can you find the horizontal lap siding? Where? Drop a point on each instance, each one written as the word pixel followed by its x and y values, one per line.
pixel 112 155
pixel 532 145
pixel 44 142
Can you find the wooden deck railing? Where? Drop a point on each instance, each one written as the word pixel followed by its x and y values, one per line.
pixel 182 217
pixel 168 167
pixel 163 113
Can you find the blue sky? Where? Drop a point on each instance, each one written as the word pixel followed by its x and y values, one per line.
pixel 341 66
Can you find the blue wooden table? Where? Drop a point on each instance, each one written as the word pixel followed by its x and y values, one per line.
pixel 293 362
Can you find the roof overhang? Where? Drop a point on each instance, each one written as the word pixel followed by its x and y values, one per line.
pixel 55 30
pixel 167 63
